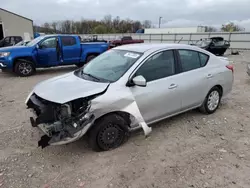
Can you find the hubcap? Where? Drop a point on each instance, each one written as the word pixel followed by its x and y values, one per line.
pixel 213 100
pixel 111 136
pixel 25 68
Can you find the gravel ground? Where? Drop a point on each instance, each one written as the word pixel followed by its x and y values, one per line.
pixel 189 150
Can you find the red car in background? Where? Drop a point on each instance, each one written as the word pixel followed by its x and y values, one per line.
pixel 124 40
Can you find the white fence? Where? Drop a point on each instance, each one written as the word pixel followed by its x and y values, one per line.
pixel 238 40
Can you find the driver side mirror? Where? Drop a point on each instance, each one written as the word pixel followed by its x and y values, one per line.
pixel 140 81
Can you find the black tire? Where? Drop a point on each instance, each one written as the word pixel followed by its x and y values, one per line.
pixel 90 57
pixel 205 106
pixel 24 67
pixel 108 133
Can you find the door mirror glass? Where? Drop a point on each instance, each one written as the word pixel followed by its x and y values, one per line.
pixel 140 81
pixel 37 46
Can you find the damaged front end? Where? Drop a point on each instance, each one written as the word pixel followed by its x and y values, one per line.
pixel 61 123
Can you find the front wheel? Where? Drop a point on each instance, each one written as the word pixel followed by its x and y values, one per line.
pixel 212 101
pixel 24 67
pixel 108 133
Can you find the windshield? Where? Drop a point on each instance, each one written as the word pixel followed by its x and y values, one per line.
pixel 19 44
pixel 111 65
pixel 35 41
pixel 203 43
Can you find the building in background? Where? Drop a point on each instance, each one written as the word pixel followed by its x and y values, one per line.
pixel 12 24
pixel 198 29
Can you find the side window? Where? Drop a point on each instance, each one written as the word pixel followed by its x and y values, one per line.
pixel 68 41
pixel 49 43
pixel 12 41
pixel 7 40
pixel 18 39
pixel 189 60
pixel 159 66
pixel 204 59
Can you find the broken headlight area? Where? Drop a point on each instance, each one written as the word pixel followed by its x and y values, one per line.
pixel 59 121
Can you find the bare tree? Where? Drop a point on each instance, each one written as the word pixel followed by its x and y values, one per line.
pixel 210 29
pixel 147 24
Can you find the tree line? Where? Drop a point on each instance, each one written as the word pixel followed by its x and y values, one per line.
pixel 84 26
pixel 111 25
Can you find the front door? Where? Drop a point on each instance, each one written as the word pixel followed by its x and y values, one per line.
pixel 47 54
pixel 161 96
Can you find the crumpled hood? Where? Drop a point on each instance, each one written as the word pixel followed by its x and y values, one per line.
pixel 68 87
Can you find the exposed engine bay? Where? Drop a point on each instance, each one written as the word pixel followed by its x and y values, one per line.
pixel 59 121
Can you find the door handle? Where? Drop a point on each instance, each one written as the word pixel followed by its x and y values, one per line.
pixel 209 76
pixel 172 86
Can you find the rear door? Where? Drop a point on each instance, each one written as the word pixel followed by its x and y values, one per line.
pixel 161 96
pixel 194 79
pixel 71 50
pixel 47 54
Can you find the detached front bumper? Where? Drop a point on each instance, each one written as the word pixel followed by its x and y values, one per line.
pixel 57 121
pixel 57 140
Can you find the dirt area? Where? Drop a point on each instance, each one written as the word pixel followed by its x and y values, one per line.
pixel 189 150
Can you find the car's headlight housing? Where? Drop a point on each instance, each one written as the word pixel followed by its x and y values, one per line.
pixel 4 54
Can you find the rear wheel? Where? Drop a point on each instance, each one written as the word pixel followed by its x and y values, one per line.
pixel 24 67
pixel 212 101
pixel 108 133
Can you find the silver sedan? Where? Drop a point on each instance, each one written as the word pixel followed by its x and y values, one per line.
pixel 126 88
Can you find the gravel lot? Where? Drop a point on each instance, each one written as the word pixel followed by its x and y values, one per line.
pixel 189 150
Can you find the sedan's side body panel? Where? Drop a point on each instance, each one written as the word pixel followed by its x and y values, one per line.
pixel 193 87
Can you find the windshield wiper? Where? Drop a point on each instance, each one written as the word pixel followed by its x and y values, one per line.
pixel 90 75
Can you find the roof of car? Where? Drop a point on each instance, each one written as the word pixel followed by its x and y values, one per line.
pixel 152 46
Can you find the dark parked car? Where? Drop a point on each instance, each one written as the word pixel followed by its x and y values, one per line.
pixel 10 41
pixel 215 45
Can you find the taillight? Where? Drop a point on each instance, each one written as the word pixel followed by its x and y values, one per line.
pixel 230 67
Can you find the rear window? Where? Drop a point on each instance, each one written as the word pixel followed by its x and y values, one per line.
pixel 127 38
pixel 191 60
pixel 68 41
pixel 204 59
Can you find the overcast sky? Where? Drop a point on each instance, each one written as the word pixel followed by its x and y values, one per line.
pixel 175 13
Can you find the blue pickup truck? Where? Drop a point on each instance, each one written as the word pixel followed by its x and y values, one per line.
pixel 49 51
